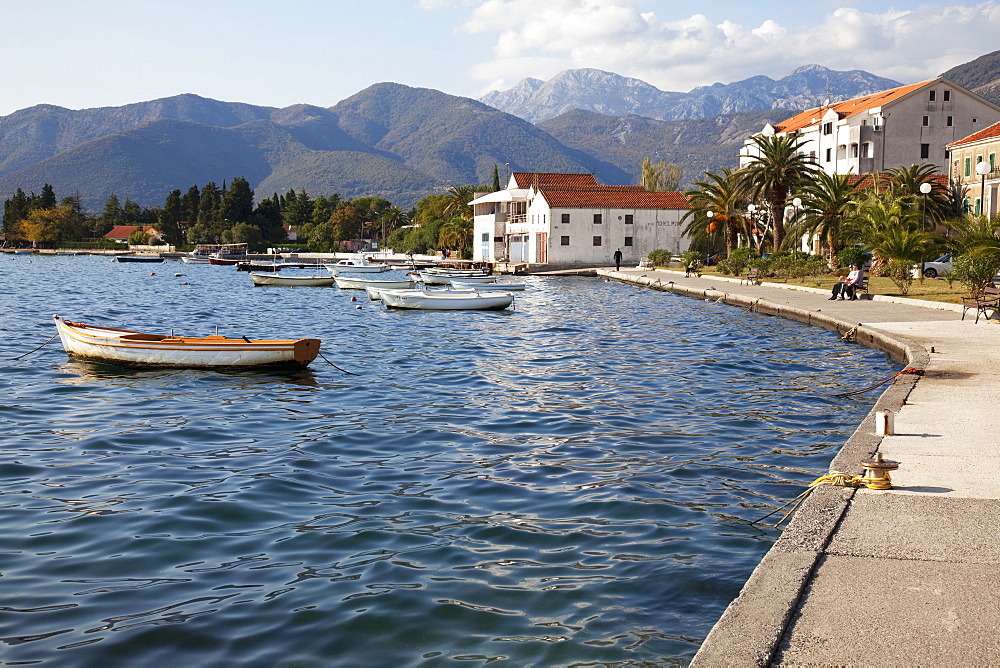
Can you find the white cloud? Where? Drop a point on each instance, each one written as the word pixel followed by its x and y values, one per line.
pixel 541 39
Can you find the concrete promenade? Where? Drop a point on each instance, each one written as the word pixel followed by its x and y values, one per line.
pixel 904 577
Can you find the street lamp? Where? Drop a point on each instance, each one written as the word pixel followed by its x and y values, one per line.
pixel 751 208
pixel 983 168
pixel 924 189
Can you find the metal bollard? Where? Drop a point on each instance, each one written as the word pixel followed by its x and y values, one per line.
pixel 884 423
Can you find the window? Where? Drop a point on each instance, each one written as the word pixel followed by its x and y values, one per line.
pixel 829 154
pixel 564 241
pixel 854 150
pixel 486 236
pixel 947 96
pixel 993 161
pixel 925 150
pixel 933 95
pixel 597 219
pixel 950 122
pixel 629 219
pixel 597 241
pixel 968 166
pixel 628 241
pixel 828 128
pixel 925 121
pixel 565 219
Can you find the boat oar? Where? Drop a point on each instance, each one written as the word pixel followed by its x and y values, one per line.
pixel 38 348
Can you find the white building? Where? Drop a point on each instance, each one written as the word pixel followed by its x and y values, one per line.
pixel 894 128
pixel 570 219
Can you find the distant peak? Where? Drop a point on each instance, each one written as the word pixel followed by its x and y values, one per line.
pixel 809 68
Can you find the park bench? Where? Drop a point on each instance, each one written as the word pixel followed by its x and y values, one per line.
pixel 752 277
pixel 988 301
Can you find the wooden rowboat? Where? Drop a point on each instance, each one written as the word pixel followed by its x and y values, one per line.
pixel 291 280
pixel 122 346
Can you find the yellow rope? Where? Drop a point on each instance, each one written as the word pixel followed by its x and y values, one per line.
pixel 836 479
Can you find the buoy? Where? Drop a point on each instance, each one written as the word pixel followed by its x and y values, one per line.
pixel 152 273
pixel 358 307
pixel 179 274
pixel 354 299
pixel 184 283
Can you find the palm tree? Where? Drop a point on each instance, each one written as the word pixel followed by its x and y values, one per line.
pixel 826 202
pixel 458 201
pixel 724 196
pixel 937 205
pixel 891 229
pixel 776 167
pixel 393 218
pixel 457 233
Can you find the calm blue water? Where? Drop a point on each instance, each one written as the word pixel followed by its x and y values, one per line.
pixel 568 483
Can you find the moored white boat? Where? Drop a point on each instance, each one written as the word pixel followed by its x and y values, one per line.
pixel 138 258
pixel 123 346
pixel 431 277
pixel 260 278
pixel 446 300
pixel 355 265
pixel 375 293
pixel 487 287
pixel 360 282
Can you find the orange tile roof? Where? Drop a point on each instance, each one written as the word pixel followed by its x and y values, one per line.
pixel 551 179
pixel 991 132
pixel 847 108
pixel 621 197
pixel 123 231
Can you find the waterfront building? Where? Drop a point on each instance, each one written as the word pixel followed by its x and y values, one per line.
pixel 898 127
pixel 571 219
pixel 973 166
pixel 121 233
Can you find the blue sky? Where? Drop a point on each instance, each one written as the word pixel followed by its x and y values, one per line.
pixel 97 53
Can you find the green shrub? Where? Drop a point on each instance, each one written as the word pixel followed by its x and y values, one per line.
pixel 901 273
pixel 976 272
pixel 739 261
pixel 659 257
pixel 852 255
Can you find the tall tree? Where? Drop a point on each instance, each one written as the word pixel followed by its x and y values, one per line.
pixel 776 167
pixel 236 203
pixel 660 176
pixel 717 206
pixel 496 179
pixel 171 216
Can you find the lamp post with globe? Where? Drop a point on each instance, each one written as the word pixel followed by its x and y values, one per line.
pixel 983 168
pixel 925 188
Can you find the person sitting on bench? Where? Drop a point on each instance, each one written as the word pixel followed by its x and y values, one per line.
pixel 848 286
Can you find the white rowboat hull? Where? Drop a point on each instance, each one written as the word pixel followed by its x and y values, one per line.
pixel 446 300
pixel 278 279
pixel 487 287
pixel 122 346
pixel 360 283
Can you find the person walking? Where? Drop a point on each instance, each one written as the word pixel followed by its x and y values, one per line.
pixel 618 259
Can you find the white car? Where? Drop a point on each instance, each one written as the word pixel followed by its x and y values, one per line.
pixel 940 266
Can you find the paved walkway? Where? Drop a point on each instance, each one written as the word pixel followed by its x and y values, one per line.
pixel 902 577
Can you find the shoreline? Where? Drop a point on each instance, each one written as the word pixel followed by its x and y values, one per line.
pixel 788 611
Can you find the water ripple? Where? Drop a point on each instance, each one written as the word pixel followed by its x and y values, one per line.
pixel 571 482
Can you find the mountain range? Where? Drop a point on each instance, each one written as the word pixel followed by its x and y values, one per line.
pixel 403 143
pixel 614 95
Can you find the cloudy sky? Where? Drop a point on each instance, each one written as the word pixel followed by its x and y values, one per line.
pixel 95 53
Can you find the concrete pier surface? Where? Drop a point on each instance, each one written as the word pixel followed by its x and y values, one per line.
pixel 902 577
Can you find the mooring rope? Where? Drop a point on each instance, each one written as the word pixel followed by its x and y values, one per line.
pixel 834 478
pixel 350 373
pixel 38 348
pixel 893 377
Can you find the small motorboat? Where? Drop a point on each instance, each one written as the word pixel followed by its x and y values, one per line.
pixel 123 346
pixel 291 280
pixel 360 282
pixel 447 300
pixel 355 265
